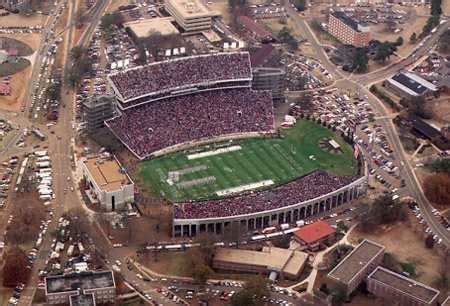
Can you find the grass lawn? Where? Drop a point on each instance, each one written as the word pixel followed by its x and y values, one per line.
pixel 278 159
pixel 408 268
pixel 8 68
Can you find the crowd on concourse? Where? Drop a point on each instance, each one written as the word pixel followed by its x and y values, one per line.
pixel 165 123
pixel 302 189
pixel 180 72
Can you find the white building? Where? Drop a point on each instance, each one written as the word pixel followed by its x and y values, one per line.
pixel 191 15
pixel 107 183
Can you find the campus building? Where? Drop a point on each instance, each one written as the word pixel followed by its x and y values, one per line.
pixel 144 28
pixel 406 84
pixel 271 260
pixel 348 31
pixel 64 289
pixel 400 290
pixel 107 183
pixel 191 15
pixel 315 235
pixel 357 265
pixel 272 79
pixel 96 111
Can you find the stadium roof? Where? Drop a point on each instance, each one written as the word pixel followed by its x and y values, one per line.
pixel 348 20
pixel 75 281
pixel 411 83
pixel 356 261
pixel 405 285
pixel 314 232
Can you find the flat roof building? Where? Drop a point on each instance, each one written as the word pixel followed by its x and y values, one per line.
pixel 60 289
pixel 107 182
pixel 409 85
pixel 348 31
pixel 357 265
pixel 289 263
pixel 82 300
pixel 144 28
pixel 399 289
pixel 191 15
pixel 446 302
pixel 314 235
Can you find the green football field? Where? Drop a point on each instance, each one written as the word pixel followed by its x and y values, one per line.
pixel 280 160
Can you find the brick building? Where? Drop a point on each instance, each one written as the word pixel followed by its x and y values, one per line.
pixel 348 31
pixel 357 265
pixel 397 289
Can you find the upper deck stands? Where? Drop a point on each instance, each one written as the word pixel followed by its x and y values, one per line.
pixel 182 73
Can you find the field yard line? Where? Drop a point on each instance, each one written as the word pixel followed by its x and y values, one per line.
pixel 252 172
pixel 265 158
pixel 287 171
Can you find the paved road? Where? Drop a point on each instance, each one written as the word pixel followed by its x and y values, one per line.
pixel 361 83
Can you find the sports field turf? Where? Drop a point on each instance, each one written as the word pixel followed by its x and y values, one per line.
pixel 280 160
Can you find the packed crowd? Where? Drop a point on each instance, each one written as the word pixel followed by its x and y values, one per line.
pixel 165 123
pixel 300 190
pixel 175 73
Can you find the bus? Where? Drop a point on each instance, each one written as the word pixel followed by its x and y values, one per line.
pixel 39 135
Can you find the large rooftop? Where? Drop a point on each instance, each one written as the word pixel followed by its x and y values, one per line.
pixel 271 258
pixel 356 261
pixel 411 83
pixel 403 284
pixel 144 28
pixel 83 281
pixel 190 8
pixel 107 173
pixel 314 232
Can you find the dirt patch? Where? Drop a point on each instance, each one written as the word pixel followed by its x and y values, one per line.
pixel 406 245
pixel 19 82
pixel 16 20
pixel 414 24
pixel 114 6
pixel 441 109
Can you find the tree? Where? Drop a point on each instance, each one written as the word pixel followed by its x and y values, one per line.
pixel 429 241
pixel 444 42
pixel 338 294
pixel 441 165
pixel 361 60
pixel 286 37
pixel 437 188
pixel 206 248
pixel 384 51
pixel 399 41
pixel 200 272
pixel 436 7
pixel 253 292
pixel 382 210
pixel 413 38
pixel 300 5
pixel 16 268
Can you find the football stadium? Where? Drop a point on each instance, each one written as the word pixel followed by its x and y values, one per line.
pixel 208 143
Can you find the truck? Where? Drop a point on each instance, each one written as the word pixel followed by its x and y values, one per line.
pixel 45 197
pixel 70 250
pixel 300 223
pixel 44 164
pixel 40 153
pixel 38 242
pixel 43 158
pixel 284 226
pixel 269 230
pixel 80 247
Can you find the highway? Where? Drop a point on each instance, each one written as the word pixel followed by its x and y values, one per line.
pixel 361 84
